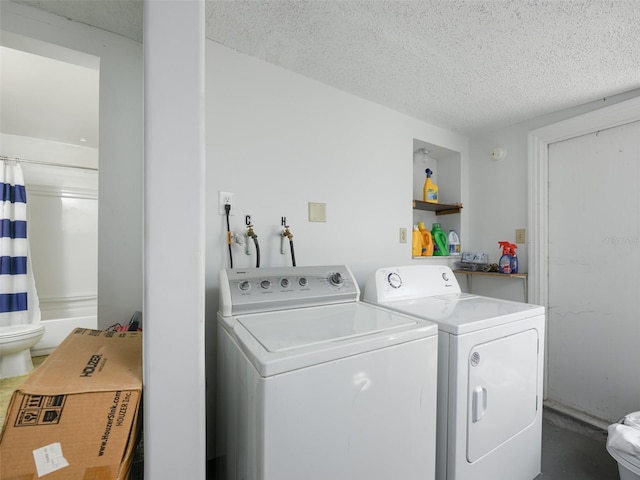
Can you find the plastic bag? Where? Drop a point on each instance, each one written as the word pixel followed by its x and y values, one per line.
pixel 624 436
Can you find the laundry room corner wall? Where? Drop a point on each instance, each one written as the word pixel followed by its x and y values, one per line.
pixel 498 203
pixel 278 140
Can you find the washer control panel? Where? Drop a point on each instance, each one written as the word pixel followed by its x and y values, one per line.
pixel 252 290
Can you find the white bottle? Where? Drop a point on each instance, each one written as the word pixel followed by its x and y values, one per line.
pixel 454 243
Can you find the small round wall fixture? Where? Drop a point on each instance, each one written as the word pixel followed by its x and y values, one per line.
pixel 498 153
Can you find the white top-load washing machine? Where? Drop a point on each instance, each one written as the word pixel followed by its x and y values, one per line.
pixel 490 369
pixel 314 384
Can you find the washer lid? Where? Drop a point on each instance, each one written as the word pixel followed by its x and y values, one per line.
pixel 463 313
pixel 277 342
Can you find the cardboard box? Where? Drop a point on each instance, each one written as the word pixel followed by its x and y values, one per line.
pixel 77 416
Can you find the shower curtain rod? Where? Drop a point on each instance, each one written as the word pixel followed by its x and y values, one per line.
pixel 37 162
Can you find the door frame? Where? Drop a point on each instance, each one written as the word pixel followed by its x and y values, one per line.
pixel 538 192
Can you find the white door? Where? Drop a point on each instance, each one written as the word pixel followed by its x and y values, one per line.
pixel 594 280
pixel 502 391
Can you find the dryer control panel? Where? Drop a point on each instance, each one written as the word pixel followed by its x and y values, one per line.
pixel 252 290
pixel 410 282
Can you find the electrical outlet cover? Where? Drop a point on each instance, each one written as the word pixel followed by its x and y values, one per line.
pixel 223 199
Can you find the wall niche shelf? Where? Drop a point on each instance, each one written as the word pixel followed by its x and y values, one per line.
pixel 521 276
pixel 438 208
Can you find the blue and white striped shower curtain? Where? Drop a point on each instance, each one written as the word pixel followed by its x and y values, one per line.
pixel 18 297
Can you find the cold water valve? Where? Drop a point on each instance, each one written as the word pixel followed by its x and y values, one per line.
pixel 251 234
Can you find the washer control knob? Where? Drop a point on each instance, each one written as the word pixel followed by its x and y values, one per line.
pixel 394 280
pixel 245 285
pixel 266 284
pixel 284 283
pixel 302 282
pixel 336 279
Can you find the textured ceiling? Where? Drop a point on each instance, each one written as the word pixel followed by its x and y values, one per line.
pixel 466 65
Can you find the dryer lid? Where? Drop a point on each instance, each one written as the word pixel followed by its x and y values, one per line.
pixel 464 313
pixel 281 341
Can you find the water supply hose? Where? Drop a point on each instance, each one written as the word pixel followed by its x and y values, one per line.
pixel 287 233
pixel 255 241
pixel 252 234
pixel 227 209
pixel 293 255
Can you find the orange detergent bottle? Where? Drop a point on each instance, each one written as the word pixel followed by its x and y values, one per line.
pixel 427 240
pixel 416 242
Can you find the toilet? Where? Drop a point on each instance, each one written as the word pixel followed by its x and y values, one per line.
pixel 15 348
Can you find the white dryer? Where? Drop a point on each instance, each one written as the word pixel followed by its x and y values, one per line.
pixel 315 385
pixel 490 370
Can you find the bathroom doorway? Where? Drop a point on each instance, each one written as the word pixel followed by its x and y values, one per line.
pixel 49 123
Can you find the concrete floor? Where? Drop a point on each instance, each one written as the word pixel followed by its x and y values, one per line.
pixel 572 450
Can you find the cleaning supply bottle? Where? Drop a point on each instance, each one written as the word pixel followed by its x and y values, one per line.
pixel 430 189
pixel 514 258
pixel 454 243
pixel 427 240
pixel 504 265
pixel 416 242
pixel 440 241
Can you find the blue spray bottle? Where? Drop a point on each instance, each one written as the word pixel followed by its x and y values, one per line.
pixel 514 258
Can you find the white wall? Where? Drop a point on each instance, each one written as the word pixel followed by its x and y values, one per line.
pixel 63 238
pixel 278 140
pixel 174 338
pixel 120 152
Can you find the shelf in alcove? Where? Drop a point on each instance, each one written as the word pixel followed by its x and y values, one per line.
pixel 439 208
pixel 521 276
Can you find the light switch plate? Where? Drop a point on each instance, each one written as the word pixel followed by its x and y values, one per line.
pixel 520 235
pixel 317 212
